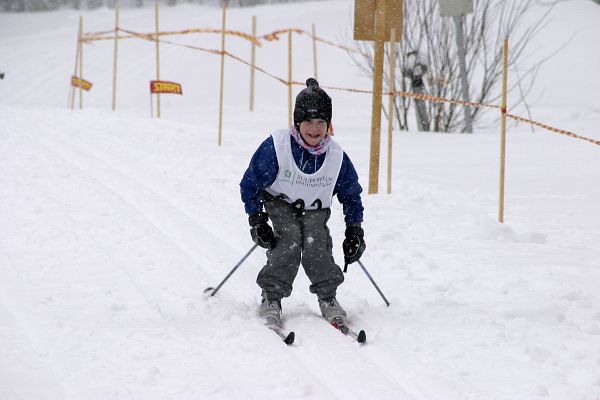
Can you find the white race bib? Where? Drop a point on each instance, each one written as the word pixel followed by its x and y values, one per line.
pixel 314 191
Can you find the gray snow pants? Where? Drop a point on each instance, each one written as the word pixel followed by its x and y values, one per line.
pixel 303 239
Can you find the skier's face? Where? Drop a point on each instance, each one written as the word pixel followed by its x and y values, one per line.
pixel 313 131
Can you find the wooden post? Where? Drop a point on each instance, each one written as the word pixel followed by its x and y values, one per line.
pixel 72 89
pixel 377 88
pixel 114 93
pixel 157 59
pixel 503 139
pixel 314 50
pixel 223 25
pixel 289 77
pixel 151 106
pixel 253 63
pixel 80 63
pixel 391 108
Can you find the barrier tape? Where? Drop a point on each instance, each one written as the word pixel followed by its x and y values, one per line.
pixel 470 103
pixel 99 35
pixel 552 129
pixel 87 38
pixel 277 34
pixel 479 105
pixel 270 37
pixel 211 51
pixel 348 49
pixel 416 96
pixel 318 39
pixel 150 38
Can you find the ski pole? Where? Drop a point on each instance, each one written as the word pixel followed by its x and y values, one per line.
pixel 373 282
pixel 215 290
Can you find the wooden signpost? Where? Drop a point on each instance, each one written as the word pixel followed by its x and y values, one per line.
pixel 374 20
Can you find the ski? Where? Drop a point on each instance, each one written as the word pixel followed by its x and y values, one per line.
pixel 360 337
pixel 287 337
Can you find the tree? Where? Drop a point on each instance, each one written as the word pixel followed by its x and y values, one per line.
pixel 428 52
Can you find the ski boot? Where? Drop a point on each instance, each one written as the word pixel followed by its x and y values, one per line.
pixel 332 311
pixel 270 311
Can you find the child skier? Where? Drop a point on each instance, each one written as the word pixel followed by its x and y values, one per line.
pixel 295 173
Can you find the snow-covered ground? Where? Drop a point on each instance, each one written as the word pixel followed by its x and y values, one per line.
pixel 112 224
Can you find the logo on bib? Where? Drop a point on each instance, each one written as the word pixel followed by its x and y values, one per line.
pixel 288 176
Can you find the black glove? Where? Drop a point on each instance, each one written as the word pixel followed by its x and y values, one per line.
pixel 261 232
pixel 354 244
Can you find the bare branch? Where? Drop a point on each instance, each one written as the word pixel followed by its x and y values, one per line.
pixel 429 38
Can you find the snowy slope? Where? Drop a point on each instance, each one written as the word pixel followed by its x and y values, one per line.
pixel 112 224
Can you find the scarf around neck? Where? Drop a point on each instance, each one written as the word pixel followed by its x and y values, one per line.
pixel 319 149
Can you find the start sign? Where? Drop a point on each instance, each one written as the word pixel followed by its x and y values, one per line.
pixel 165 87
pixel 364 18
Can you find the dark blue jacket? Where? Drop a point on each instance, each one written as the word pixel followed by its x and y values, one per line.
pixel 263 169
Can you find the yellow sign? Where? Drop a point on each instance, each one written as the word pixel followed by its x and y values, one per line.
pixel 364 18
pixel 165 87
pixel 77 82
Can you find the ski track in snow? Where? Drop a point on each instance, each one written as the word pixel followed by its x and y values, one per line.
pixel 161 213
pixel 392 362
pixel 149 203
pixel 169 329
pixel 112 224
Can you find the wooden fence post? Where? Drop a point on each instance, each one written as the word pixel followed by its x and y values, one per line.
pixel 503 133
pixel 71 101
pixel 224 24
pixel 391 108
pixel 157 58
pixel 314 51
pixel 253 63
pixel 114 93
pixel 80 63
